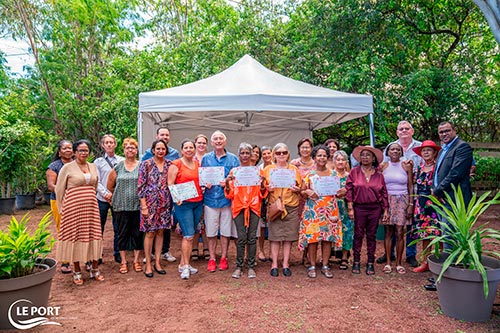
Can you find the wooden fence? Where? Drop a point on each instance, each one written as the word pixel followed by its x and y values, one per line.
pixel 486 149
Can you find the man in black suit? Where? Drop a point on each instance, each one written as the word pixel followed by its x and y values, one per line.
pixel 452 167
pixel 453 164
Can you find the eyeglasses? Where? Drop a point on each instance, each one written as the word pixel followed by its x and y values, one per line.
pixel 444 131
pixel 279 153
pixel 305 148
pixel 245 153
pixel 404 129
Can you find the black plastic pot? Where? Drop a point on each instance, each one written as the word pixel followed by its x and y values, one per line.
pixel 461 292
pixel 7 205
pixel 34 288
pixel 25 201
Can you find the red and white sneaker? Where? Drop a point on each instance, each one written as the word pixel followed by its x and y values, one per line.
pixel 223 264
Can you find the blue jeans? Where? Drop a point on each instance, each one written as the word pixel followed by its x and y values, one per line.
pixel 188 215
pixel 104 207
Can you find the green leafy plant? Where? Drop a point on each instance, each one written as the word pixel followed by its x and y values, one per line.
pixel 464 240
pixel 19 250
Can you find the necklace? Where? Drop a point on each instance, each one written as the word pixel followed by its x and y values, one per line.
pixel 367 173
pixel 429 165
pixel 306 163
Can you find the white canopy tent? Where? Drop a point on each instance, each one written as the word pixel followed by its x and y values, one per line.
pixel 249 103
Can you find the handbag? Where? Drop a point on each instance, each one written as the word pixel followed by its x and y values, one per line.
pixel 275 209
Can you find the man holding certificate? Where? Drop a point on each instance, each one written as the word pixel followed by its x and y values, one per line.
pixel 215 167
pixel 245 187
pixel 284 183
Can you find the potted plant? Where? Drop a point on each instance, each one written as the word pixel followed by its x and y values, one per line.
pixel 467 272
pixel 25 271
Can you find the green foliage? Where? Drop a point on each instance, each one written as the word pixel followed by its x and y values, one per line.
pixel 463 239
pixel 487 169
pixel 19 249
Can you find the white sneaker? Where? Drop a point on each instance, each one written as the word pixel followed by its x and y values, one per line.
pixel 152 259
pixel 168 257
pixel 185 273
pixel 192 270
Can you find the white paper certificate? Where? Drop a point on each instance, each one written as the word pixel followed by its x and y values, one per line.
pixel 246 176
pixel 183 191
pixel 211 175
pixel 324 186
pixel 282 178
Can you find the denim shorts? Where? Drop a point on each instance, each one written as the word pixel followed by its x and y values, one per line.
pixel 188 215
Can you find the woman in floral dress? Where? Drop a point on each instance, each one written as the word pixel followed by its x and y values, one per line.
pixel 156 204
pixel 320 219
pixel 425 216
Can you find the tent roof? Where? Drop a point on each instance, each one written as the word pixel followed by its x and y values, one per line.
pixel 249 97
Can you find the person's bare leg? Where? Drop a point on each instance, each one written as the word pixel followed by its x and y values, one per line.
pixel 123 256
pixel 224 244
pixel 148 248
pixel 262 239
pixel 186 247
pixel 313 249
pixel 326 249
pixel 212 244
pixel 158 246
pixel 275 250
pixel 287 247
pixel 387 242
pixel 400 244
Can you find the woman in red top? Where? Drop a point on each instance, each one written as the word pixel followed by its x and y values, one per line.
pixel 187 212
pixel 366 199
pixel 245 205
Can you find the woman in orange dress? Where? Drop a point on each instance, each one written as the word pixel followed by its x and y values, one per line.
pixel 320 219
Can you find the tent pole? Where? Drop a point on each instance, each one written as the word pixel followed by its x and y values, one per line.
pixel 139 132
pixel 372 130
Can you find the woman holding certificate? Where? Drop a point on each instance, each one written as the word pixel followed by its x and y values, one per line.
pixel 155 204
pixel 245 188
pixel 367 201
pixel 320 220
pixel 284 184
pixel 184 180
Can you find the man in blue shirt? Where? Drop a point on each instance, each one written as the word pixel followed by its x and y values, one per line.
pixel 218 216
pixel 163 133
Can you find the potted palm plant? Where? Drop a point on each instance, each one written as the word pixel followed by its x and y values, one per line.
pixel 25 271
pixel 468 272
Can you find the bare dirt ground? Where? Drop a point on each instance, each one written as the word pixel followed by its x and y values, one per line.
pixel 214 302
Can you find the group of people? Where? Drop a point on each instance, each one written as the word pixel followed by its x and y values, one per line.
pixel 318 201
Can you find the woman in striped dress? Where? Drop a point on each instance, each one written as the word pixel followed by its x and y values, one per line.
pixel 80 237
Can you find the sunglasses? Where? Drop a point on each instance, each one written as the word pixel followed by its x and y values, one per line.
pixel 279 153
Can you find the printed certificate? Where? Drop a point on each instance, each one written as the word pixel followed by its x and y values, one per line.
pixel 282 178
pixel 211 175
pixel 324 186
pixel 246 176
pixel 183 191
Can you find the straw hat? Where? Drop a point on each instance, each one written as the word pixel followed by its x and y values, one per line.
pixel 426 143
pixel 377 152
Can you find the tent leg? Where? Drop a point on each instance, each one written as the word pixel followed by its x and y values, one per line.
pixel 372 130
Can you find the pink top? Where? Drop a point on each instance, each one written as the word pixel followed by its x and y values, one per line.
pixel 396 179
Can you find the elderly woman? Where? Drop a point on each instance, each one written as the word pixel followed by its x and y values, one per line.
pixel 246 203
pixel 267 159
pixel 285 229
pixel 367 201
pixel 320 220
pixel 333 146
pixel 63 155
pixel 155 204
pixel 340 160
pixel 80 238
pixel 188 212
pixel 122 183
pixel 425 216
pixel 201 144
pixel 398 178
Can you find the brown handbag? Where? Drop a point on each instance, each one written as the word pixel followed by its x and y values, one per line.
pixel 275 209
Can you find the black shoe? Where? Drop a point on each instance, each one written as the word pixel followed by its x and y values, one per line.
pixel 412 261
pixel 161 271
pixel 148 275
pixel 99 262
pixel 274 272
pixel 287 272
pixel 430 287
pixel 432 280
pixel 383 259
pixel 118 258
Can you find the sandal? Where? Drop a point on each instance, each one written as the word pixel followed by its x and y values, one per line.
pixel 195 254
pixel 370 269
pixel 88 266
pixel 311 272
pixel 77 278
pixel 123 268
pixel 400 270
pixel 262 257
pixel 96 275
pixel 206 254
pixel 356 268
pixel 326 271
pixel 65 269
pixel 137 267
pixel 387 269
pixel 343 264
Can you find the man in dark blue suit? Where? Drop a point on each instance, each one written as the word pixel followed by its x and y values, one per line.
pixel 452 167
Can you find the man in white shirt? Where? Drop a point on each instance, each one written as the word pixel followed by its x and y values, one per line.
pixel 104 166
